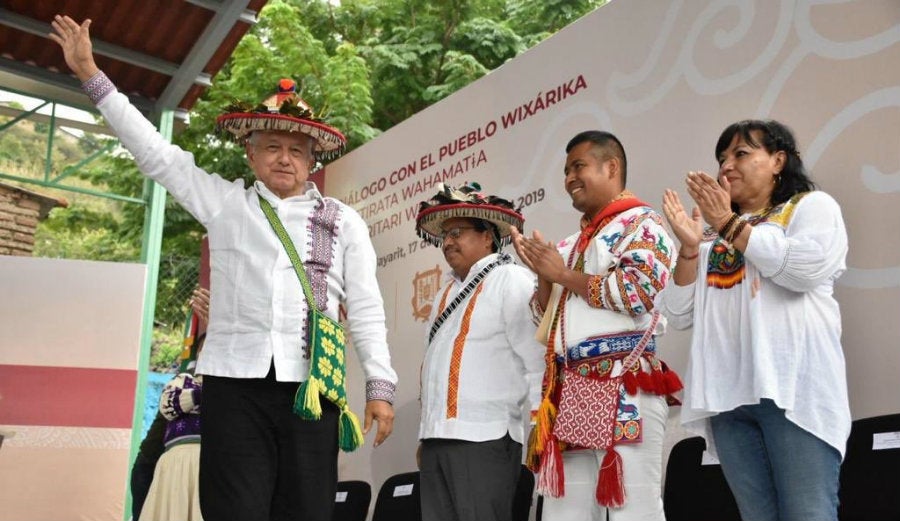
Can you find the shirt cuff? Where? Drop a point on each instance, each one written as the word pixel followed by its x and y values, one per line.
pixel 98 87
pixel 679 298
pixel 380 390
pixel 595 291
pixel 537 310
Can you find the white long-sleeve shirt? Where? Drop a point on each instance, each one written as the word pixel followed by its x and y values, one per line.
pixel 499 370
pixel 258 310
pixel 776 333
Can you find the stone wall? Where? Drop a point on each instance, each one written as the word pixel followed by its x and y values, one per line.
pixel 20 212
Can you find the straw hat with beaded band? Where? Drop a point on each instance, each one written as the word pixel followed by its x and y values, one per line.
pixel 469 202
pixel 284 111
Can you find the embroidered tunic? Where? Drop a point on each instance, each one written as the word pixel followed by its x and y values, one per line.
pixel 483 365
pixel 630 258
pixel 629 261
pixel 625 281
pixel 258 312
pixel 766 324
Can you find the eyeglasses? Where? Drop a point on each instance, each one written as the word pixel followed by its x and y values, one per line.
pixel 454 232
pixel 295 151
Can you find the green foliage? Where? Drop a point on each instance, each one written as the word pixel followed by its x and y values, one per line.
pixel 460 70
pixel 541 18
pixel 86 243
pixel 90 228
pixel 168 342
pixel 490 43
pixel 23 148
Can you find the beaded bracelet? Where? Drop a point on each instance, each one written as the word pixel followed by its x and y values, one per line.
pixel 737 230
pixel 723 231
pixel 688 257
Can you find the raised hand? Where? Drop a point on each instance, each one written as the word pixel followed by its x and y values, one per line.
pixel 518 241
pixel 539 255
pixel 75 41
pixel 713 200
pixel 688 229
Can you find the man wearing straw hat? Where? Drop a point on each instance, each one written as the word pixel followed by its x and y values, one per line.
pixel 482 363
pixel 259 460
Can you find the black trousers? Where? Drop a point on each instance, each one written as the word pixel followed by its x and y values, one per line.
pixel 258 460
pixel 469 481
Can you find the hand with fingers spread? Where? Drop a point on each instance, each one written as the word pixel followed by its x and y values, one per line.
pixel 688 229
pixel 75 41
pixel 713 199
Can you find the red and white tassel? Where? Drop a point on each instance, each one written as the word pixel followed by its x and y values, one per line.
pixel 551 478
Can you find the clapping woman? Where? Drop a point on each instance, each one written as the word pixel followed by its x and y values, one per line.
pixel 766 380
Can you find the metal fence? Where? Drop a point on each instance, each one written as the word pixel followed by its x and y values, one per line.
pixel 178 276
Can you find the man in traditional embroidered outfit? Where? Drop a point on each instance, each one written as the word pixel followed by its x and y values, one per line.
pixel 259 460
pixel 482 365
pixel 598 288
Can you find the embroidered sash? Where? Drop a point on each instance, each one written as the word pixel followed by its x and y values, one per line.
pixel 476 280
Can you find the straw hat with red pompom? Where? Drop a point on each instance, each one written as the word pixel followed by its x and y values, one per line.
pixel 284 111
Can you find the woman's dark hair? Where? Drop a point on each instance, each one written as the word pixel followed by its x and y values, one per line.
pixel 773 137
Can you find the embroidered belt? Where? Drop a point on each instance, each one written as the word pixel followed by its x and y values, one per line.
pixel 184 440
pixel 605 345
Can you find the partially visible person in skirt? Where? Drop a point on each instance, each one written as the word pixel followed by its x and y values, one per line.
pixel 174 493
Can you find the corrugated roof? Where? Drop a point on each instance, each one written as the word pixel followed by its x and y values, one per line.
pixel 162 53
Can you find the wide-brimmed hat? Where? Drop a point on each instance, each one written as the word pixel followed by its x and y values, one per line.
pixel 469 202
pixel 284 111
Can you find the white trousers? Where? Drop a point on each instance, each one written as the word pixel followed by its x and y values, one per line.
pixel 641 469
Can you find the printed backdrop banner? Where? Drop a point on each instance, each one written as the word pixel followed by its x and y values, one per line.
pixel 666 78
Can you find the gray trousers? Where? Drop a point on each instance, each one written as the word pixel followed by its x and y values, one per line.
pixel 469 481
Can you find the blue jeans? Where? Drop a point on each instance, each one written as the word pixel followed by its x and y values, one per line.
pixel 776 470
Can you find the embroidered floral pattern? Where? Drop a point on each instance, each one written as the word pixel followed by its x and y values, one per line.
pixel 725 265
pixel 325 367
pixel 628 431
pixel 643 264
